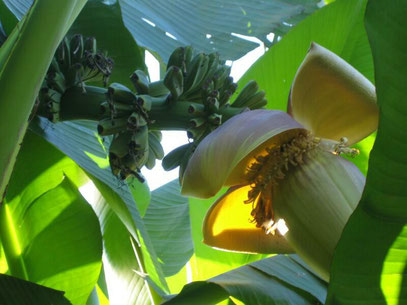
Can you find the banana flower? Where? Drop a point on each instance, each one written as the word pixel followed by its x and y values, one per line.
pixel 287 167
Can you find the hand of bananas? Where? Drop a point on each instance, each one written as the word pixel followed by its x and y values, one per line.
pixel 75 62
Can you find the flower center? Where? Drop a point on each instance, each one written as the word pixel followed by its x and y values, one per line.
pixel 271 167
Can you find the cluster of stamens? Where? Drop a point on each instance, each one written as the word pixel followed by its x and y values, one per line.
pixel 342 148
pixel 271 167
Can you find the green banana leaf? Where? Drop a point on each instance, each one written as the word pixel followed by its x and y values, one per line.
pixel 208 26
pixel 369 265
pixel 122 273
pixel 338 27
pixel 104 22
pixel 50 235
pixel 14 291
pixel 191 23
pixel 169 227
pixel 81 142
pixel 281 279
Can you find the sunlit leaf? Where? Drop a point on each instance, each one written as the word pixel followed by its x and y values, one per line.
pixel 50 235
pixel 78 140
pixel 369 265
pixel 122 270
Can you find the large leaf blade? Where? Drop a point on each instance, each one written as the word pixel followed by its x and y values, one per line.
pixel 81 142
pixel 122 271
pixel 208 26
pixel 49 233
pixel 168 224
pixel 369 265
pixel 275 280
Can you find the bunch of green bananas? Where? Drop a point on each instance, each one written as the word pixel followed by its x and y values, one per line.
pixel 194 95
pixel 126 118
pixel 76 61
pixel 204 79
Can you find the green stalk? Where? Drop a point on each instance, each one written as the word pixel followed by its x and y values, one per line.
pixel 172 116
pixel 77 104
pixel 23 71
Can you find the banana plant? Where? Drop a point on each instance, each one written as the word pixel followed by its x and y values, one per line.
pixel 88 114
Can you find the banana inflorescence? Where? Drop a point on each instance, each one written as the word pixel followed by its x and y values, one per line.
pixel 194 95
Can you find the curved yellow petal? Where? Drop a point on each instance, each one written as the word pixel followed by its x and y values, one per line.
pixel 332 99
pixel 223 156
pixel 227 226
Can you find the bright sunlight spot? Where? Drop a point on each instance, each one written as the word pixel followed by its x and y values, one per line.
pixel 153 67
pixel 89 192
pixel 282 227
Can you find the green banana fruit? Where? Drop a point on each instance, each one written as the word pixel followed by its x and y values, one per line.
pixel 177 58
pixel 111 126
pixel 90 46
pixel 245 94
pixel 173 158
pixel 156 89
pixel 255 98
pixel 120 144
pixel 174 81
pixel 77 47
pixel 155 146
pixel 140 82
pixel 120 93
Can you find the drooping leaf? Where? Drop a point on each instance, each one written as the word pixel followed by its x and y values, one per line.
pixel 81 142
pixel 14 291
pixel 337 27
pixel 104 22
pixel 122 270
pixel 369 265
pixel 49 233
pixel 210 25
pixel 276 280
pixel 168 224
